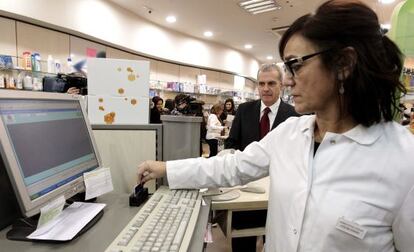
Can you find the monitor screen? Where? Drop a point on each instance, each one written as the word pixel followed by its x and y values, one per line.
pixel 47 145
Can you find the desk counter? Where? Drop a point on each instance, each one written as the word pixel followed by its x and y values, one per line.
pixel 247 200
pixel 117 214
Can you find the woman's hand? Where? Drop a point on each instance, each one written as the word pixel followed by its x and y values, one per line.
pixel 151 170
pixel 73 90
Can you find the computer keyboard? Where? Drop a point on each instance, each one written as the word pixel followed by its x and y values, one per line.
pixel 165 223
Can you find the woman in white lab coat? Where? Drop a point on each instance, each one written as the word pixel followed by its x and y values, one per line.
pixel 341 179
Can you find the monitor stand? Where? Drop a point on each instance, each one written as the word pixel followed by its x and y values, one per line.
pixel 23 227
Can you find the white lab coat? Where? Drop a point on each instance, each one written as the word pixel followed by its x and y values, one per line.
pixel 364 176
pixel 214 127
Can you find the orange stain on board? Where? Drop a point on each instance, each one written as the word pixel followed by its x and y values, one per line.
pixel 126 99
pixel 121 91
pixel 101 108
pixel 129 69
pixel 100 99
pixel 131 77
pixel 134 101
pixel 109 118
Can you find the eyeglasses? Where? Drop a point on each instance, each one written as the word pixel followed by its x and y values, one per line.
pixel 292 66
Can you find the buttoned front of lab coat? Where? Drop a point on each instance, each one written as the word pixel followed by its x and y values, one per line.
pixel 355 194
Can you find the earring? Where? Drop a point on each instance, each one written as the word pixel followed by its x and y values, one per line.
pixel 341 88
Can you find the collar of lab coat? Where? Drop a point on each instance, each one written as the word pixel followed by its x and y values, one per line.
pixel 360 134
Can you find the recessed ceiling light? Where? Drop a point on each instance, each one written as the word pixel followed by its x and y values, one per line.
pixel 269 57
pixel 208 33
pixel 386 1
pixel 259 6
pixel 248 46
pixel 171 19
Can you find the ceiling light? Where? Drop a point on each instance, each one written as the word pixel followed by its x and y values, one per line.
pixel 386 1
pixel 248 2
pixel 208 33
pixel 269 57
pixel 266 10
pixel 259 6
pixel 171 19
pixel 248 46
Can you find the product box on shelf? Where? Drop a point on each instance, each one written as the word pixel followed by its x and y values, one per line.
pixel 118 91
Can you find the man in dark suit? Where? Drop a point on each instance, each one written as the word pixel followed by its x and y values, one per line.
pixel 252 122
pixel 245 128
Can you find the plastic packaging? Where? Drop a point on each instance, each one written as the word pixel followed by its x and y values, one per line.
pixel 10 84
pixel 58 67
pixel 19 80
pixel 27 82
pixel 2 81
pixel 37 84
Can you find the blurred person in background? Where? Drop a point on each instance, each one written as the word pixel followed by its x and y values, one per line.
pixel 156 110
pixel 214 128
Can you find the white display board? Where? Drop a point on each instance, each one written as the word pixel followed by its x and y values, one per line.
pixel 118 91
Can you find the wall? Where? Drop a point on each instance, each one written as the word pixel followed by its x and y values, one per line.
pixel 18 37
pixel 105 22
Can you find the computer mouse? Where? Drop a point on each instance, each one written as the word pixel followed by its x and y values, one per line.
pixel 253 189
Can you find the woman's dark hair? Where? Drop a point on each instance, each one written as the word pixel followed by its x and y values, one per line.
pixel 169 104
pixel 373 86
pixel 180 98
pixel 156 99
pixel 232 111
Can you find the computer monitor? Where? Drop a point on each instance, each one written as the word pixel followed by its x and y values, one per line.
pixel 46 143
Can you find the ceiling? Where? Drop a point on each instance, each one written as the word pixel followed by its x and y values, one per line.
pixel 231 25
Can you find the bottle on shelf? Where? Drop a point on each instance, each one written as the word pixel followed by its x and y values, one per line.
pixel 69 66
pixel 10 84
pixel 28 82
pixel 36 67
pixel 27 61
pixel 50 64
pixel 19 80
pixel 37 84
pixel 58 67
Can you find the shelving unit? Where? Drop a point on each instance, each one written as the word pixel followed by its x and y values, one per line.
pixel 208 93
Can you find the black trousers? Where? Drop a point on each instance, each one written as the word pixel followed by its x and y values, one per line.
pixel 213 144
pixel 248 219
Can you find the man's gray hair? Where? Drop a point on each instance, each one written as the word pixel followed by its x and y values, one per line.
pixel 269 68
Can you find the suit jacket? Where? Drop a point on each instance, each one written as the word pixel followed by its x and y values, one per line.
pixel 245 128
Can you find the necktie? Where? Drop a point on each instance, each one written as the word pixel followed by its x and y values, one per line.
pixel 264 123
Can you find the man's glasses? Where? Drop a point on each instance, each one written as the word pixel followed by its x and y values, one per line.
pixel 292 66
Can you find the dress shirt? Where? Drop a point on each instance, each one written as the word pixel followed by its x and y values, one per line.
pixel 214 127
pixel 364 176
pixel 273 111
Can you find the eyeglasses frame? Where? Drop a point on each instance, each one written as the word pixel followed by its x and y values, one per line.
pixel 288 64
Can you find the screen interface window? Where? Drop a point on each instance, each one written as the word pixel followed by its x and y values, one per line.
pixel 50 141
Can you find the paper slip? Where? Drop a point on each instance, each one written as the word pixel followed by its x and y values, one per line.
pixel 208 235
pixel 97 182
pixel 50 212
pixel 69 222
